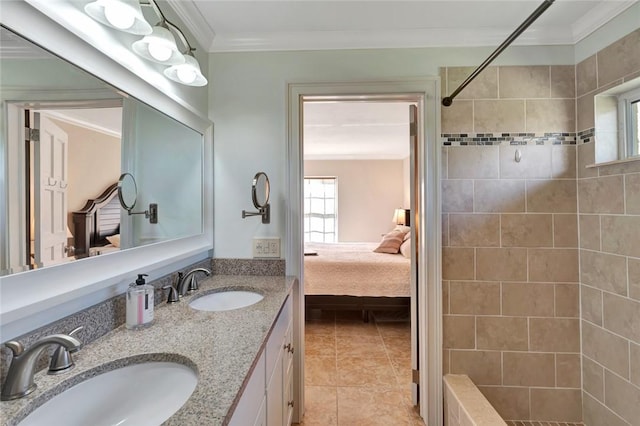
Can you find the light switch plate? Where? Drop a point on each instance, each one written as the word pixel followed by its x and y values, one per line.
pixel 266 247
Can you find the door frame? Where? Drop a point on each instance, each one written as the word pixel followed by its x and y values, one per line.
pixel 426 92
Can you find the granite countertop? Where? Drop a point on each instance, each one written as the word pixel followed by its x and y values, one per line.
pixel 220 346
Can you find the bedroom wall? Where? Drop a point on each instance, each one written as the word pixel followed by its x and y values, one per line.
pixel 94 164
pixel 510 258
pixel 609 218
pixel 368 193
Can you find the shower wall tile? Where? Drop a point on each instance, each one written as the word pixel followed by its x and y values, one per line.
pixel 458 118
pixel 496 196
pixel 482 367
pixel 457 196
pixel 586 76
pixel 510 402
pixel 529 369
pixel 595 413
pixel 565 230
pixel 554 335
pixel 605 348
pixel 474 162
pixel 619 59
pixel 622 396
pixel 528 299
pixel 622 316
pixel 567 300
pixel 589 231
pixel 502 333
pixel 563 81
pixel 459 332
pixel 562 404
pixel 525 82
pixel 604 271
pixel 551 196
pixel 591 302
pixel 621 235
pixel 527 230
pixel 474 298
pixel 484 86
pixel 632 193
pixel 535 162
pixel 601 195
pixel 568 374
pixel 593 378
pixel 586 157
pixel 563 161
pixel 553 265
pixel 501 264
pixel 550 115
pixel 458 263
pixel 635 364
pixel 474 230
pixel 494 116
pixel 585 115
pixel 634 278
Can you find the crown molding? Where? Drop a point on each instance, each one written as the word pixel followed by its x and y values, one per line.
pixel 190 15
pixel 597 17
pixel 419 38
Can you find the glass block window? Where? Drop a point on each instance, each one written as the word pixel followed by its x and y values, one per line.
pixel 320 209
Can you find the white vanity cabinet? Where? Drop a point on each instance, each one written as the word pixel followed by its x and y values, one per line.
pixel 268 397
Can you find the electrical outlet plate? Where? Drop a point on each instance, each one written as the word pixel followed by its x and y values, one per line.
pixel 266 247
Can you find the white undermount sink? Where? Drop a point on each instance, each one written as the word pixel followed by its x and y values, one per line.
pixel 135 395
pixel 226 300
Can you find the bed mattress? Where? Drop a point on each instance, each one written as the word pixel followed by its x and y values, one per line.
pixel 353 269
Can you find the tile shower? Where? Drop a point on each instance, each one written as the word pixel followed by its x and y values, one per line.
pixel 524 243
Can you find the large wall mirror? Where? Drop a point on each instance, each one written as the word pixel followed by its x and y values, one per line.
pixel 61 177
pixel 96 125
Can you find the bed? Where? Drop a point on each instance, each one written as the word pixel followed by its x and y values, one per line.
pixel 97 224
pixel 352 276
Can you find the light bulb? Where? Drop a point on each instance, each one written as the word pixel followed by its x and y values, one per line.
pixel 186 74
pixel 159 51
pixel 119 15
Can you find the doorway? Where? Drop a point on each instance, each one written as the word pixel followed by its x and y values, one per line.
pixel 70 154
pixel 427 323
pixel 361 339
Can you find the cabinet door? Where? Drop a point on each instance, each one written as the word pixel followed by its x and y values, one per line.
pixel 275 394
pixel 248 407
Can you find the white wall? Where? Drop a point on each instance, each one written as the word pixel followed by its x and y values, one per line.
pixel 368 193
pixel 247 99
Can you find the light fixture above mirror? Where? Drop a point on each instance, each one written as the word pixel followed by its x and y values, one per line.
pixel 159 44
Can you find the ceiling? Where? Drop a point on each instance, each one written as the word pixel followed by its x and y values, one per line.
pixel 250 25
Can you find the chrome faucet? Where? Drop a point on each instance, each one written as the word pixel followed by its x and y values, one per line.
pixel 185 284
pixel 19 381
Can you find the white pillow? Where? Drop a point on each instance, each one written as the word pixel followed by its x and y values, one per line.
pixel 114 239
pixel 405 248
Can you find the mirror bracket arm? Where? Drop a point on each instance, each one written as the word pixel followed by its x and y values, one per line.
pixel 265 212
pixel 151 214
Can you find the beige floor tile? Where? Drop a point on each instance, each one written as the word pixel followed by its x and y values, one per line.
pixel 394 329
pixel 372 407
pixel 320 406
pixel 320 371
pixel 320 327
pixel 349 316
pixel 358 345
pixel 402 370
pixel 397 347
pixel 357 329
pixel 365 371
pixel 320 345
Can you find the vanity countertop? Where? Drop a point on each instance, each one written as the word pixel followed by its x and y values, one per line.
pixel 221 346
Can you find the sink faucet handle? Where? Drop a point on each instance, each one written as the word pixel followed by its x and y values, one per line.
pixel 172 294
pixel 61 360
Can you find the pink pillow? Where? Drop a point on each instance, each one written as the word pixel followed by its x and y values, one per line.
pixel 390 242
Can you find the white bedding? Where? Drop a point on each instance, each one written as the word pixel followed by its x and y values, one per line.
pixel 353 269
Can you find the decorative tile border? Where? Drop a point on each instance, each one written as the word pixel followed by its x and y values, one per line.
pixel 470 139
pixel 586 136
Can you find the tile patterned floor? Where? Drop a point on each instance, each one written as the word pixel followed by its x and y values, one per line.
pixel 532 423
pixel 357 373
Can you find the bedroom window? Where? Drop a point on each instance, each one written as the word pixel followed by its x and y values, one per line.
pixel 320 209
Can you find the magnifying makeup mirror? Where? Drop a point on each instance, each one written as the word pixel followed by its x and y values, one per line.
pixel 128 195
pixel 260 190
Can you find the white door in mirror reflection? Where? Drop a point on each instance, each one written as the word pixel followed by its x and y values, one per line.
pixel 50 192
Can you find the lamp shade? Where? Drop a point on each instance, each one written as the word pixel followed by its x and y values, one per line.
pixel 159 46
pixel 123 15
pixel 187 73
pixel 401 217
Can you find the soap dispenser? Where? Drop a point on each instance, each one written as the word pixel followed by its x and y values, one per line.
pixel 139 304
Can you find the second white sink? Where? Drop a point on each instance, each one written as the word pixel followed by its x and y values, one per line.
pixel 226 300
